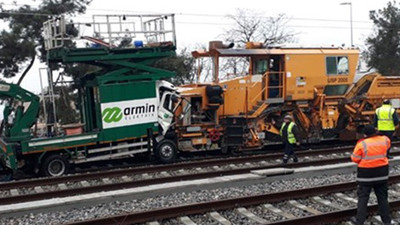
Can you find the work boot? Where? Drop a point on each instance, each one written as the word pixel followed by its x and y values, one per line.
pixel 295 159
pixel 353 220
pixel 285 159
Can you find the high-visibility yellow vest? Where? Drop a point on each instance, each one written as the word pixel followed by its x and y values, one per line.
pixel 385 118
pixel 290 136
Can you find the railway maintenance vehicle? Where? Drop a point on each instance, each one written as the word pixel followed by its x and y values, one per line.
pixel 314 85
pixel 123 104
pixel 128 108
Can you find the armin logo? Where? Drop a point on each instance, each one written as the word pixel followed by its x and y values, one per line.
pixel 139 110
pixel 113 114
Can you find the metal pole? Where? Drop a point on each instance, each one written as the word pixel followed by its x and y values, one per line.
pixel 173 29
pixel 351 20
pixel 51 92
pixel 42 94
pixel 351 23
pixel 109 32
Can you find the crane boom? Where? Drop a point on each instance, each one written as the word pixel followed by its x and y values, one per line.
pixel 23 113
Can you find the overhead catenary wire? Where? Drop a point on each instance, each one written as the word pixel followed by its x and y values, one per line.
pixel 201 15
pixel 210 15
pixel 193 22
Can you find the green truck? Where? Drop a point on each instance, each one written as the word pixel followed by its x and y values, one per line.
pixel 125 105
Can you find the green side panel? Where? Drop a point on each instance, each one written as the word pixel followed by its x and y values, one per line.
pixel 57 143
pixel 120 92
pixel 113 134
pixel 127 91
pixel 8 154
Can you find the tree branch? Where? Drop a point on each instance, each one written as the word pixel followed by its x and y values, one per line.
pixel 27 69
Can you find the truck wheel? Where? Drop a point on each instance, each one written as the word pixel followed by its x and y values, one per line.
pixel 6 174
pixel 166 151
pixel 55 166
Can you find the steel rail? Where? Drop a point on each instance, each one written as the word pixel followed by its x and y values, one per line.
pixel 332 217
pixel 204 207
pixel 139 183
pixel 159 180
pixel 158 168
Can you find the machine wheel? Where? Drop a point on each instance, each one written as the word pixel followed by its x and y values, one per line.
pixel 55 166
pixel 5 174
pixel 166 151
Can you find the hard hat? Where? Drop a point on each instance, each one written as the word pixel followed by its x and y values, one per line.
pixel 288 117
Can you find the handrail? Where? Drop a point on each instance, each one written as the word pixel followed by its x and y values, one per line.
pixel 266 86
pixel 258 95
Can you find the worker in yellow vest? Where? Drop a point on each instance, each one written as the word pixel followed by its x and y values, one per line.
pixel 386 120
pixel 290 138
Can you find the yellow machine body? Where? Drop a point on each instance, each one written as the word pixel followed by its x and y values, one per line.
pixel 315 85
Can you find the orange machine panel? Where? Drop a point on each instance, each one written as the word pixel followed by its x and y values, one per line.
pixel 305 72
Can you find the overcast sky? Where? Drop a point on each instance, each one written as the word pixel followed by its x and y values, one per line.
pixel 317 22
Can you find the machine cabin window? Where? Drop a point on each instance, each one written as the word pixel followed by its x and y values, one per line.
pixel 261 66
pixel 334 90
pixel 337 65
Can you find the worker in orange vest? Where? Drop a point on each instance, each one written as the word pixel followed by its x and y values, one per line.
pixel 373 172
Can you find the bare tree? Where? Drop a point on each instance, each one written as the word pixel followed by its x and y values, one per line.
pixel 245 28
pixel 274 31
pixel 249 25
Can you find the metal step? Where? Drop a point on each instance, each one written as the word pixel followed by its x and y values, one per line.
pixel 275 100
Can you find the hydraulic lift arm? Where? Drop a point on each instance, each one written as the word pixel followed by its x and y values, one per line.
pixel 18 127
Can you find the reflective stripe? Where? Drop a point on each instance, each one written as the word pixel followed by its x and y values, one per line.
pixel 387 143
pixel 375 157
pixel 365 148
pixel 372 179
pixel 385 118
pixel 356 156
pixel 377 143
pixel 290 136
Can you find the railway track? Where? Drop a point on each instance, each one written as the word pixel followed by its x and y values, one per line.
pixel 331 204
pixel 138 162
pixel 40 189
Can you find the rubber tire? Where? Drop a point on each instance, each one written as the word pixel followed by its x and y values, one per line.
pixel 45 164
pixel 162 158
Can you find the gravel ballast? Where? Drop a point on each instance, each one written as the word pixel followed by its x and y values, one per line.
pixel 121 207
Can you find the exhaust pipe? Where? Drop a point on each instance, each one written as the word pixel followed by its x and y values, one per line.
pixel 219 44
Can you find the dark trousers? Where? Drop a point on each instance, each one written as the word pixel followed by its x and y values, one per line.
pixel 381 192
pixel 289 152
pixel 388 134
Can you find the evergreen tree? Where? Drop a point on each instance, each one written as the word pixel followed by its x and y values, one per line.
pixel 384 45
pixel 23 38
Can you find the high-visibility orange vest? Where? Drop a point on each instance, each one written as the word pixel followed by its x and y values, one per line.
pixel 371 156
pixel 371 152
